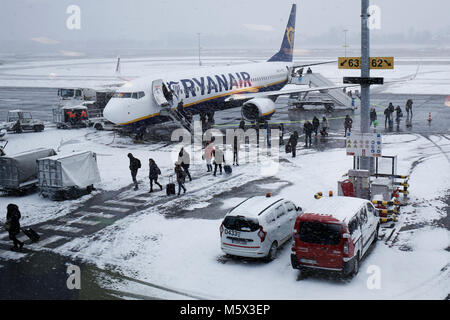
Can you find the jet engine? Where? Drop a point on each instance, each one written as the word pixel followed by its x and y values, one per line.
pixel 258 109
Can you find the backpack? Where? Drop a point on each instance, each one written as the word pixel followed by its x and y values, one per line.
pixel 138 162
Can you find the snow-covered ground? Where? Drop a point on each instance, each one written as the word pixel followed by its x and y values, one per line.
pixel 184 253
pixel 433 76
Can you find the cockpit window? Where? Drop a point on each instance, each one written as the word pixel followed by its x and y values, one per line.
pixel 134 95
pixel 66 93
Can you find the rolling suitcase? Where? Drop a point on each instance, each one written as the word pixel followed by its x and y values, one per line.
pixel 170 188
pixel 30 233
pixel 227 169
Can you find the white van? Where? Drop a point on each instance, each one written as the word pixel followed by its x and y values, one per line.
pixel 258 226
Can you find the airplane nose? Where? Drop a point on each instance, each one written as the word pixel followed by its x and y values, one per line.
pixel 112 111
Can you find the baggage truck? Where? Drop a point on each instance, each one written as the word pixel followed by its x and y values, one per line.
pixel 18 172
pixel 70 176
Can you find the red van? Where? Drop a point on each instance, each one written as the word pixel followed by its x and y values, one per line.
pixel 334 235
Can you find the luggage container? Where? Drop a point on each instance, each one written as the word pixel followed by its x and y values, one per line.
pixel 18 172
pixel 70 176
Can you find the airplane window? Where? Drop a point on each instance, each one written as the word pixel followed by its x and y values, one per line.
pixel 122 95
pixel 135 95
pixel 141 94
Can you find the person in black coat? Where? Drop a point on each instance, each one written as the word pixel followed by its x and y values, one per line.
pixel 153 174
pixel 348 122
pixel 316 125
pixel 308 128
pixel 12 219
pixel 373 116
pixel 293 140
pixel 181 175
pixel 135 164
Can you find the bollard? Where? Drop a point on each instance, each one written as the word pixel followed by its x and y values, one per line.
pixel 330 193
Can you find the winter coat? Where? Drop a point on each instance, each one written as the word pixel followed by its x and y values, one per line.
pixel 219 157
pixel 325 124
pixel 181 175
pixel 184 158
pixel 348 122
pixel 154 171
pixel 373 115
pixel 308 128
pixel 135 164
pixel 316 123
pixel 293 141
pixel 209 150
pixel 12 217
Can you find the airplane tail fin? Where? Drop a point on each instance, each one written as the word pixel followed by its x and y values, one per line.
pixel 287 46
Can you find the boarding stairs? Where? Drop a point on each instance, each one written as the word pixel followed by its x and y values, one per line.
pixel 176 117
pixel 317 80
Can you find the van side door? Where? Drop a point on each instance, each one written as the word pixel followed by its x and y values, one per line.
pixel 281 223
pixel 365 229
pixel 372 216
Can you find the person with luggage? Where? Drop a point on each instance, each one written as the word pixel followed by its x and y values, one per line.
pixel 135 165
pixel 153 174
pixel 292 143
pixel 373 116
pixel 324 131
pixel 184 159
pixel 181 177
pixel 348 122
pixel 316 125
pixel 12 225
pixel 219 159
pixel 308 129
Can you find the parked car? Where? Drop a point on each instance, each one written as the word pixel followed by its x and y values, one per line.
pixel 258 226
pixel 334 235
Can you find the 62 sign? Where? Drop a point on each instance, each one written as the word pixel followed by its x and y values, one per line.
pixel 374 63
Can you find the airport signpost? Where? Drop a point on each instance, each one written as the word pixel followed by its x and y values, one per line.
pixel 364 144
pixel 374 62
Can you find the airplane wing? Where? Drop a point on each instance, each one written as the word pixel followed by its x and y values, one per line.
pixel 272 94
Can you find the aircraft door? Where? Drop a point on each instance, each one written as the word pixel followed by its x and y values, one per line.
pixel 158 88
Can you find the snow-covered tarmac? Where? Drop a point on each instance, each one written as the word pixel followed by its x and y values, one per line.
pixel 184 253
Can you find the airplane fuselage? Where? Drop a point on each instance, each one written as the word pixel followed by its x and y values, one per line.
pixel 201 90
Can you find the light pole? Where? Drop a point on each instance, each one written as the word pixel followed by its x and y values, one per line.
pixel 345 42
pixel 199 50
pixel 365 73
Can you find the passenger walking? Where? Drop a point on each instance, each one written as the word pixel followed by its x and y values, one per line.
pixel 324 131
pixel 387 117
pixel 208 154
pixel 409 105
pixel 181 177
pixel 348 122
pixel 316 125
pixel 399 115
pixel 242 125
pixel 281 133
pixel 293 140
pixel 153 174
pixel 219 159
pixel 135 165
pixel 308 129
pixel 236 147
pixel 12 225
pixel 373 116
pixel 184 160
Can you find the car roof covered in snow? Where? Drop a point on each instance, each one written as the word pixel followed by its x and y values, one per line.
pixel 341 208
pixel 254 206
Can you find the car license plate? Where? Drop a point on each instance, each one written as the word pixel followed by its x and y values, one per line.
pixel 238 241
pixel 233 233
pixel 308 261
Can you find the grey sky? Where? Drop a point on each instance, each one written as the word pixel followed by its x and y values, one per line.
pixel 226 20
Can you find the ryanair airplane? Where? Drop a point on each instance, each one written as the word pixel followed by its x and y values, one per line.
pixel 253 87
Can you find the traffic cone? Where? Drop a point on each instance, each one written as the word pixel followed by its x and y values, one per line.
pixel 330 193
